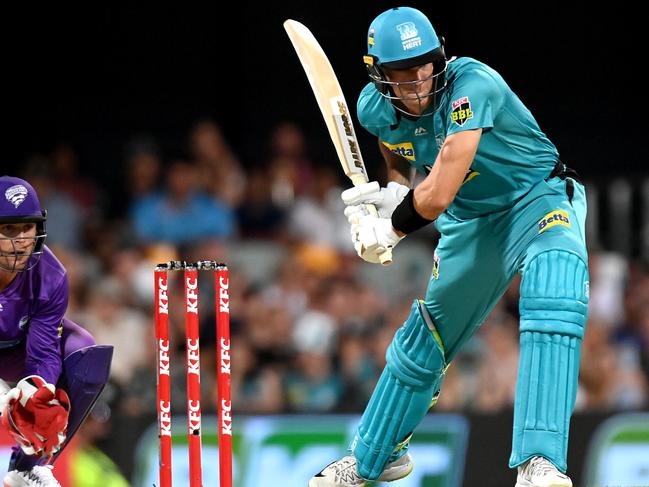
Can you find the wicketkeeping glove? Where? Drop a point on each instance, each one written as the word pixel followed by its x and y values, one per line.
pixel 36 415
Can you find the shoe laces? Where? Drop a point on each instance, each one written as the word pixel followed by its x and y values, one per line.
pixel 345 470
pixel 42 475
pixel 540 466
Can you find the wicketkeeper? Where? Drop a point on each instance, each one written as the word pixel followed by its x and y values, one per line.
pixel 51 370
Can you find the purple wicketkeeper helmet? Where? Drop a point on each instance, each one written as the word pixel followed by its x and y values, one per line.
pixel 19 204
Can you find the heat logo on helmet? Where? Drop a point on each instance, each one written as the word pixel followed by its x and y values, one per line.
pixel 556 217
pixel 461 111
pixel 409 35
pixel 404 149
pixel 16 195
pixel 370 38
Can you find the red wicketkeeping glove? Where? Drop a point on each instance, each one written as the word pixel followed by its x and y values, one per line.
pixel 38 418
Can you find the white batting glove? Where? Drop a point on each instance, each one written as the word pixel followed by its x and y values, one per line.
pixel 372 236
pixel 385 199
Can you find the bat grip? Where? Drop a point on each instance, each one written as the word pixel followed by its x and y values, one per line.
pixel 386 256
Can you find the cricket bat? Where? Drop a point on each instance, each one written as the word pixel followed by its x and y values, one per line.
pixel 333 106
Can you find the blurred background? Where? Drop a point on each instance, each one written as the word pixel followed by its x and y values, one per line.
pixel 111 110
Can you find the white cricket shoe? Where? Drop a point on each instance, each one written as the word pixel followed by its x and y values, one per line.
pixel 539 472
pixel 38 476
pixel 343 473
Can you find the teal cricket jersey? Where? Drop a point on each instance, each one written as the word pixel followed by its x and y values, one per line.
pixel 513 154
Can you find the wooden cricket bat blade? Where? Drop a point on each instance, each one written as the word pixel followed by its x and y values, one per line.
pixel 333 106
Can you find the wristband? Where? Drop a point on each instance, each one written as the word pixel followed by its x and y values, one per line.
pixel 405 218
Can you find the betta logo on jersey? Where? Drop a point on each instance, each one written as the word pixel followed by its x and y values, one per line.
pixel 403 149
pixel 461 111
pixel 556 217
pixel 409 35
pixel 16 195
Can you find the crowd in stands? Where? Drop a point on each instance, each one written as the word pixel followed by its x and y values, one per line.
pixel 310 320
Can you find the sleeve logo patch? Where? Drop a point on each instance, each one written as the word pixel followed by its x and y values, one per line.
pixel 404 149
pixel 556 217
pixel 461 111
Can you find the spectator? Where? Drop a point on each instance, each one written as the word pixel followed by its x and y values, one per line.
pixel 220 172
pixel 91 467
pixel 291 170
pixel 317 217
pixel 181 213
pixel 65 218
pixel 112 322
pixel 67 179
pixel 259 216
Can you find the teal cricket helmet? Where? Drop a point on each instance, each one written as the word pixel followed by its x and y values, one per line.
pixel 403 38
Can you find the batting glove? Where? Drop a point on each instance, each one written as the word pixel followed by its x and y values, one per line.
pixel 372 236
pixel 385 199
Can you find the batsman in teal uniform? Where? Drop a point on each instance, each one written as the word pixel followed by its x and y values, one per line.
pixel 503 204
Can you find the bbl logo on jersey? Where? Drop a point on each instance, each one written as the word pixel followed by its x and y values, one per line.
pixel 556 217
pixel 461 111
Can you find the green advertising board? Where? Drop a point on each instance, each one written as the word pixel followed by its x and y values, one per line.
pixel 288 450
pixel 618 454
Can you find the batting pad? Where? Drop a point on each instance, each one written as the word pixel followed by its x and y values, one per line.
pixel 553 309
pixel 412 377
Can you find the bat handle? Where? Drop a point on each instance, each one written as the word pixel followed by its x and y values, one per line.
pixel 386 257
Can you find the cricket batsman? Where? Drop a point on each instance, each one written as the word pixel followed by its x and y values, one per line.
pixel 503 204
pixel 51 370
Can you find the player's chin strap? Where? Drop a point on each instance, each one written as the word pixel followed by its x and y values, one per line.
pixel 34 255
